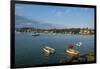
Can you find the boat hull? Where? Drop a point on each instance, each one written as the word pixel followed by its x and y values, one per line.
pixel 72 52
pixel 48 50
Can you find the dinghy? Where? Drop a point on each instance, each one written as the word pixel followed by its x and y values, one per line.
pixel 72 52
pixel 48 50
pixel 79 44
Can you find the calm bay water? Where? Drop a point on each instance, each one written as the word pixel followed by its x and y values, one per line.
pixel 28 48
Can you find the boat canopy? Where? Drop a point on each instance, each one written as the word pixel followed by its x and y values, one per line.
pixel 70 46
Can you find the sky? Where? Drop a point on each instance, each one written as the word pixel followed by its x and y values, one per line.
pixel 63 17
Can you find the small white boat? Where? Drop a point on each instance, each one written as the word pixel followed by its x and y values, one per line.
pixel 72 52
pixel 48 50
pixel 79 44
pixel 36 34
pixel 54 34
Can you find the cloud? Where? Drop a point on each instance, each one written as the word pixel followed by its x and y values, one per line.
pixel 29 24
pixel 57 12
pixel 62 11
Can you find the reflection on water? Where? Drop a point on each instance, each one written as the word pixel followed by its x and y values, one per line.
pixel 46 54
pixel 28 48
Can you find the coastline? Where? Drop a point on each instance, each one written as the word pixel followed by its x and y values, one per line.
pixel 89 57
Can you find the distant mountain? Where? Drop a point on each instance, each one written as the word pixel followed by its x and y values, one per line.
pixel 21 21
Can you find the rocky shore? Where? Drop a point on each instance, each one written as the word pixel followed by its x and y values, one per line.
pixel 89 57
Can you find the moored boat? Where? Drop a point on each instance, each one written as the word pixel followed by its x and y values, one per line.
pixel 48 50
pixel 72 52
pixel 36 34
pixel 79 44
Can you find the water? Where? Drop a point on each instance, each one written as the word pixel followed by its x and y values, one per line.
pixel 28 48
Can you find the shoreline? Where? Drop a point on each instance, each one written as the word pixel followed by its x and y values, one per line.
pixel 89 57
pixel 54 33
